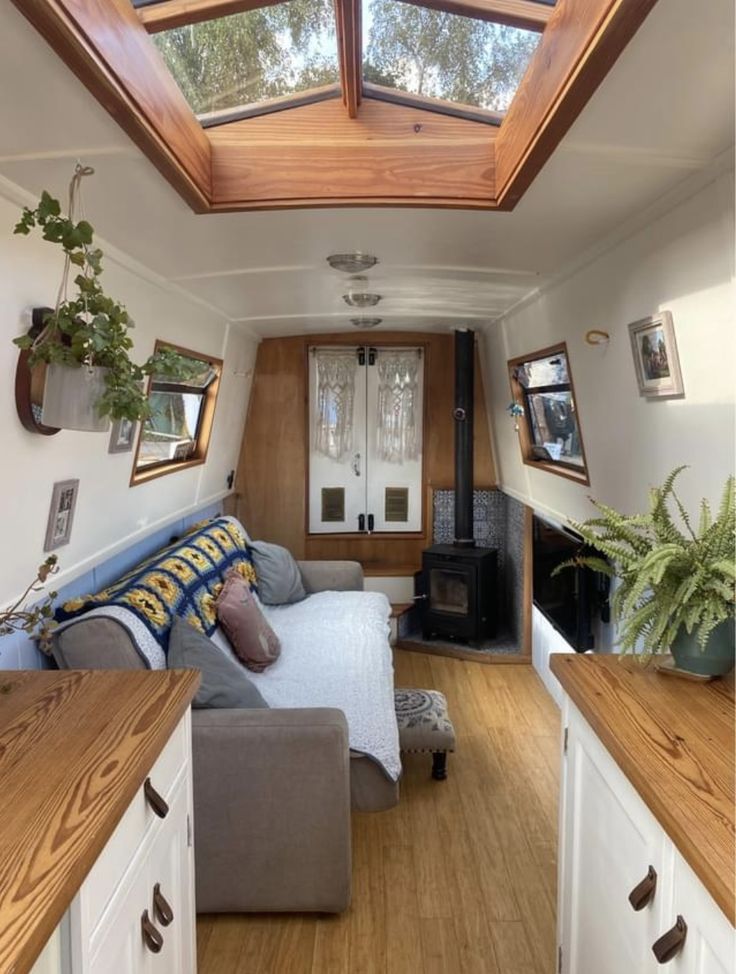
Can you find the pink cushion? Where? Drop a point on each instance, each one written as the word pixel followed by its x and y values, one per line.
pixel 253 640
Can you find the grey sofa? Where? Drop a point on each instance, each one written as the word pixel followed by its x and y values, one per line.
pixel 273 788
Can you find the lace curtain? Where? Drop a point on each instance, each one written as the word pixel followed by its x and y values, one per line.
pixel 333 433
pixel 398 421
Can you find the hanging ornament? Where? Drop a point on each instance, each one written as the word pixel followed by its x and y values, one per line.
pixel 515 409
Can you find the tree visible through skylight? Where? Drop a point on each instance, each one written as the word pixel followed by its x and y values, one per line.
pixel 440 55
pixel 254 56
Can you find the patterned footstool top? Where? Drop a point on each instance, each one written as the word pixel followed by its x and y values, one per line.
pixel 424 724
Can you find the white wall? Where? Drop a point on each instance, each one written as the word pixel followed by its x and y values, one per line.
pixel 682 262
pixel 110 515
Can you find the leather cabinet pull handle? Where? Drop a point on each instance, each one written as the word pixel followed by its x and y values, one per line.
pixel 671 943
pixel 643 893
pixel 152 938
pixel 156 801
pixel 161 907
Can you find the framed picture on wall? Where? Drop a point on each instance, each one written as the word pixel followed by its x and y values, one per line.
pixel 655 357
pixel 61 514
pixel 122 436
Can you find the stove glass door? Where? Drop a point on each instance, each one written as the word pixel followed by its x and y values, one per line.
pixel 449 591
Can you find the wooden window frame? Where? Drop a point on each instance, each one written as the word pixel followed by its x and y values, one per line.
pixel 526 437
pixel 204 424
pixel 368 152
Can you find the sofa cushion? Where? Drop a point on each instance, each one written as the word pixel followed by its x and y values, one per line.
pixel 278 575
pixel 224 684
pixel 252 638
pixel 96 644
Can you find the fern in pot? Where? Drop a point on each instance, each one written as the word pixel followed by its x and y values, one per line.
pixel 676 581
pixel 85 340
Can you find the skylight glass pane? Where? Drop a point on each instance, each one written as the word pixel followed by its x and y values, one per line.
pixel 253 56
pixel 439 55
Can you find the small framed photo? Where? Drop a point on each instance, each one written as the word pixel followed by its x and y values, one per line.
pixel 655 357
pixel 122 436
pixel 61 514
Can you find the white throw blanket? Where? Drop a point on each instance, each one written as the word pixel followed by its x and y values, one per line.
pixel 335 653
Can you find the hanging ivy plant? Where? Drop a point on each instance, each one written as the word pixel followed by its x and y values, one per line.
pixel 89 328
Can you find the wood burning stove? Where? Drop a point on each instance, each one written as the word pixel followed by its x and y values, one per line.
pixel 458 592
pixel 457 589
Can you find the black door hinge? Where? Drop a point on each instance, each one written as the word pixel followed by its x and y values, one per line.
pixel 564 740
pixel 559 960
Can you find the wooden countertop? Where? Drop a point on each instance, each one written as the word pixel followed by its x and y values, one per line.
pixel 674 741
pixel 75 746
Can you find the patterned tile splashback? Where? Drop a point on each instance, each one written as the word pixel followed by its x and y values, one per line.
pixel 488 517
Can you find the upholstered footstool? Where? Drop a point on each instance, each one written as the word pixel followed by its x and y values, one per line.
pixel 425 726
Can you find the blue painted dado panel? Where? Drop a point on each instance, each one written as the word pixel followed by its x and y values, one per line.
pixel 17 651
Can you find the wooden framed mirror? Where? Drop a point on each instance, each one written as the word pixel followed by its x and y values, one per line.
pixel 29 383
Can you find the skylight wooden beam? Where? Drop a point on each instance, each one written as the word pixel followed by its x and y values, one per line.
pixel 350 48
pixel 514 13
pixel 109 51
pixel 525 14
pixel 178 13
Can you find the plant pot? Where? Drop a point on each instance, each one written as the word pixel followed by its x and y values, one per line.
pixel 716 659
pixel 70 398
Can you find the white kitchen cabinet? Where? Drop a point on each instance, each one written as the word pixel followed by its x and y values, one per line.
pixel 145 870
pixel 710 947
pixel 609 842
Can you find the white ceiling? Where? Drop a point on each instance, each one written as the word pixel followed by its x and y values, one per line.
pixel 664 112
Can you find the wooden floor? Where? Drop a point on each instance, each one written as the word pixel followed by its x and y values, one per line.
pixel 458 878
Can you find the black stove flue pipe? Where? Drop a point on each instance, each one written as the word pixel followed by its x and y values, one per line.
pixel 463 414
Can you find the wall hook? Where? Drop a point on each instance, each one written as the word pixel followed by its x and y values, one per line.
pixel 597 337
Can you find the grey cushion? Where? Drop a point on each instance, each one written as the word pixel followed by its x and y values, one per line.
pixel 96 644
pixel 331 576
pixel 279 578
pixel 224 683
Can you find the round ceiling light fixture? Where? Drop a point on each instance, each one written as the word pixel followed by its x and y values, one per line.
pixel 358 296
pixel 352 263
pixel 365 322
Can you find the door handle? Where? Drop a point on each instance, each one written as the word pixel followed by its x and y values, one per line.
pixel 157 802
pixel 361 522
pixel 356 464
pixel 643 893
pixel 161 907
pixel 152 937
pixel 371 522
pixel 671 943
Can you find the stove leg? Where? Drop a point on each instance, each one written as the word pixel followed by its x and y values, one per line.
pixel 439 765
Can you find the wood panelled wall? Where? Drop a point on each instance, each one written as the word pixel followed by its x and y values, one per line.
pixel 272 471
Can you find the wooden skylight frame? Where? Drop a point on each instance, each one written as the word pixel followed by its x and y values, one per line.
pixel 346 147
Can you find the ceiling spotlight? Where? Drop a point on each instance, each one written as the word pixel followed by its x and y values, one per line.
pixel 358 296
pixel 364 300
pixel 365 322
pixel 352 263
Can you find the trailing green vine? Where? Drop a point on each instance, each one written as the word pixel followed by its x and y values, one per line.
pixel 90 328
